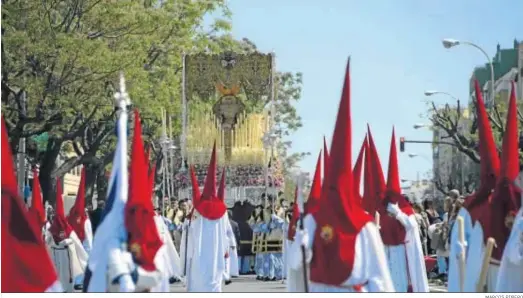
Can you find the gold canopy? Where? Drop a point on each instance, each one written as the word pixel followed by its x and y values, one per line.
pixel 245 138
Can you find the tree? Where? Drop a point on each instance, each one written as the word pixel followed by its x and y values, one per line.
pixel 65 56
pixel 455 174
pixel 460 128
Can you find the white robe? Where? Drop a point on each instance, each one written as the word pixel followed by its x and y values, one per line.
pixel 294 278
pixel 56 287
pixel 70 260
pixel 88 241
pixel 510 276
pixel 109 257
pixel 206 247
pixel 411 254
pixel 231 263
pixel 166 260
pixel 370 264
pixel 48 238
pixel 87 244
pixel 474 262
pixel 453 270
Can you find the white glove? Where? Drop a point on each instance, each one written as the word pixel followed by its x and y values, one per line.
pixel 147 279
pixel 302 238
pixel 460 248
pixel 393 209
pixel 126 284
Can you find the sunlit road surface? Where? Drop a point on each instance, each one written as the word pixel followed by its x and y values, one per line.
pixel 249 284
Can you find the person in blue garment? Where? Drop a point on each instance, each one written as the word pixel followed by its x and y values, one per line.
pixel 275 238
pixel 257 225
pixel 267 245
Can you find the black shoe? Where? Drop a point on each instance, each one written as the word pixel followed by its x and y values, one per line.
pixel 273 279
pixel 259 278
pixel 228 282
pixel 78 287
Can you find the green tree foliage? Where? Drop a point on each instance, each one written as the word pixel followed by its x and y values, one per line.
pixel 60 66
pixel 66 55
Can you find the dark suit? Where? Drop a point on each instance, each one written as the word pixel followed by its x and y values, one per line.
pixel 236 230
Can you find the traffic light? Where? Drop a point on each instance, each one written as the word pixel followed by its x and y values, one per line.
pixel 402 144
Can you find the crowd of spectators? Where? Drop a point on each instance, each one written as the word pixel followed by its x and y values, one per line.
pixel 435 228
pixel 237 175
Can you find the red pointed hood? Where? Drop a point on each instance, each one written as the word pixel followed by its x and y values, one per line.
pixel 143 240
pixel 209 206
pixel 195 187
pixel 369 200
pixel 221 189
pixel 392 231
pixel 9 182
pixel 340 217
pixel 60 228
pixel 393 180
pixel 489 163
pixel 37 206
pixel 377 169
pixel 26 265
pixel 291 232
pixel 325 157
pixel 313 202
pixel 506 198
pixel 374 188
pixel 488 151
pixel 509 155
pixel 77 215
pixel 356 171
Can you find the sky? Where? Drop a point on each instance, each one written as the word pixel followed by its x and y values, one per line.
pixel 396 54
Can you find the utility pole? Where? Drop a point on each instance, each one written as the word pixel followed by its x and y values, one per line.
pixel 21 153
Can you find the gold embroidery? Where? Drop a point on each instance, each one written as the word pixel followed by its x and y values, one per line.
pixel 233 91
pixel 327 233
pixel 136 250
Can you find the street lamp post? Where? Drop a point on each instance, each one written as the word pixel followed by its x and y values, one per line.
pixel 165 172
pixel 421 125
pixel 449 43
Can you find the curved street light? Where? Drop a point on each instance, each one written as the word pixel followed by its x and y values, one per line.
pixel 421 125
pixel 412 155
pixel 449 43
pixel 434 92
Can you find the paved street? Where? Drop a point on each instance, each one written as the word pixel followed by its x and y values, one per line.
pixel 244 283
pixel 248 283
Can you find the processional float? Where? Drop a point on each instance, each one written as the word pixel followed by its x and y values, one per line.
pixel 225 98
